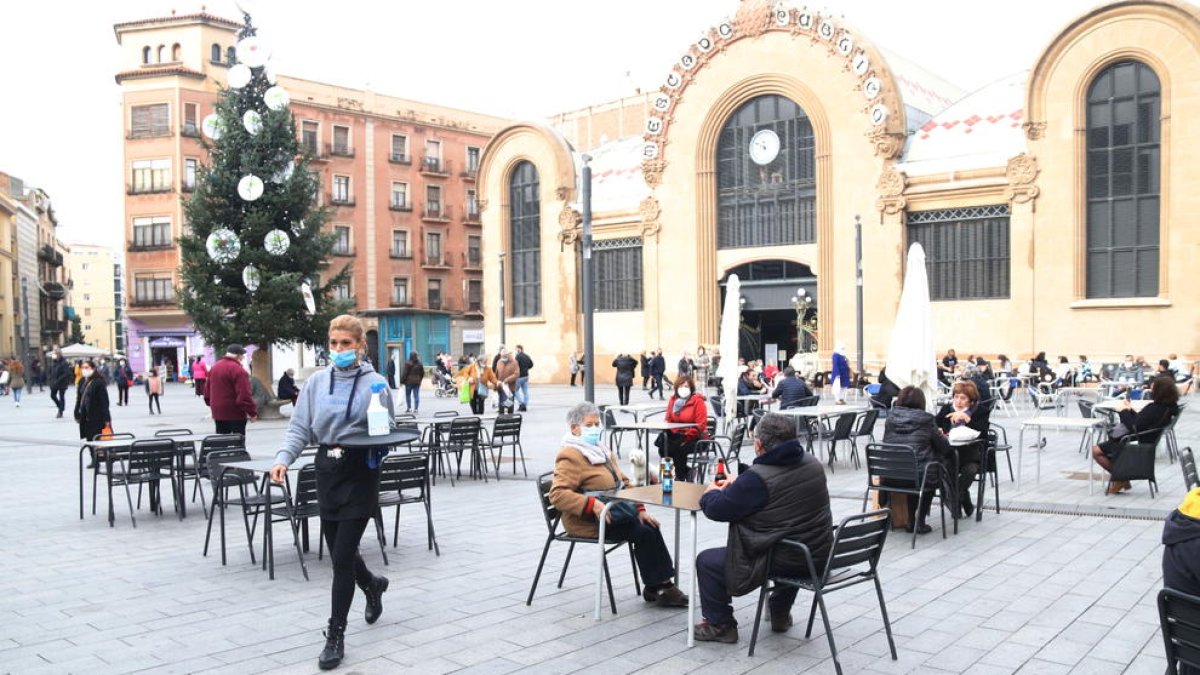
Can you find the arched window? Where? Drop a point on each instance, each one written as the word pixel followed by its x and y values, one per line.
pixel 766 176
pixel 231 55
pixel 146 54
pixel 215 53
pixel 525 241
pixel 161 49
pixel 176 52
pixel 1123 170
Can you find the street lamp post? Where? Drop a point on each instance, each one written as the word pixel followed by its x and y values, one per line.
pixel 801 302
pixel 589 299
pixel 112 335
pixel 502 314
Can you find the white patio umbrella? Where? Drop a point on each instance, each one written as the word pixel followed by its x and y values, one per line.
pixel 78 351
pixel 730 323
pixel 911 359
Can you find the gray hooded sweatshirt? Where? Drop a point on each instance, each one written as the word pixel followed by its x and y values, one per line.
pixel 325 416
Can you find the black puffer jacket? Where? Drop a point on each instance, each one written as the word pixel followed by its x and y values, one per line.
pixel 916 429
pixel 60 375
pixel 625 366
pixel 1181 553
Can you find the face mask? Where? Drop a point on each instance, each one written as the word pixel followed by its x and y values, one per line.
pixel 504 360
pixel 591 435
pixel 344 359
pixel 87 372
pixel 683 392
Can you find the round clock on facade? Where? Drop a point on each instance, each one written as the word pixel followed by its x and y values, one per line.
pixel 764 147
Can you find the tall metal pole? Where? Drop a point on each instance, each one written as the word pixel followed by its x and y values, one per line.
pixel 589 349
pixel 503 316
pixel 26 341
pixel 859 282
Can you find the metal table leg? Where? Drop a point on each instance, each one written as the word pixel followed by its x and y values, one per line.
pixel 600 563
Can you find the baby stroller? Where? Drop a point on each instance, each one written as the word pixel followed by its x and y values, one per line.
pixel 443 385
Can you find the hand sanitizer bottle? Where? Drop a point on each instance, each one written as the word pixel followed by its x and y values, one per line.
pixel 378 423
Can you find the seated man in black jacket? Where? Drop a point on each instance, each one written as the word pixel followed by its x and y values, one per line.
pixel 783 494
pixel 1181 546
pixel 790 389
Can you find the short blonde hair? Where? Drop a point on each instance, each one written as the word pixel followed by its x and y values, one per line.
pixel 349 323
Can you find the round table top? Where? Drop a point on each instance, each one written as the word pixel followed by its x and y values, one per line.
pixel 396 437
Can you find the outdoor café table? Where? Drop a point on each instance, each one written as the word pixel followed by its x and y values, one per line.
pixel 189 441
pixel 685 497
pixel 640 409
pixel 983 463
pixel 1086 425
pixel 821 411
pixel 1117 405
pixel 644 429
pixel 124 444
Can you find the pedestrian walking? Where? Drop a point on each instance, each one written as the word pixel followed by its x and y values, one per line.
pixel 573 364
pixel 524 364
pixel 414 373
pixel 685 365
pixel 625 365
pixel 703 366
pixel 391 373
pixel 123 375
pixel 644 367
pixel 476 381
pixel 91 404
pixel 841 373
pixel 37 374
pixel 60 379
pixel 154 390
pixel 16 380
pixel 332 407
pixel 658 369
pixel 507 372
pixel 228 393
pixel 199 375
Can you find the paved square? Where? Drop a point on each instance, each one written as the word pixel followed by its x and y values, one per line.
pixel 1023 591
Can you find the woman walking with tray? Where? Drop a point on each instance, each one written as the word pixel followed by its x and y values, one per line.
pixel 333 406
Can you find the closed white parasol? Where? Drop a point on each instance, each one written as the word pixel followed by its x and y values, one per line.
pixel 730 322
pixel 911 359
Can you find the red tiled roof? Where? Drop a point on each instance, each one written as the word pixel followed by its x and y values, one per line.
pixel 1012 119
pixel 142 73
pixel 201 16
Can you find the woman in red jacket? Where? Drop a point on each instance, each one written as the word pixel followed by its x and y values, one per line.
pixel 686 405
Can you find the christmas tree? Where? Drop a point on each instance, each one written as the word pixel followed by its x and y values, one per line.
pixel 255 243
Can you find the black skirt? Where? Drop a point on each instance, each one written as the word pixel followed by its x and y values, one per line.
pixel 347 489
pixel 1111 448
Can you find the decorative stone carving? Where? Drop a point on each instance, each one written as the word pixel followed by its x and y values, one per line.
pixel 887 144
pixel 1022 169
pixel 568 237
pixel 892 182
pixel 649 210
pixel 652 172
pixel 569 218
pixel 891 205
pixel 562 193
pixel 1021 193
pixel 753 18
pixel 482 204
pixel 1034 131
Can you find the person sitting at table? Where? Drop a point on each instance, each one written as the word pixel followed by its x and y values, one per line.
pixel 1164 396
pixel 582 466
pixel 1064 374
pixel 908 423
pixel 747 385
pixel 947 366
pixel 887 391
pixel 1038 364
pixel 686 406
pixel 333 406
pixel 782 494
pixel 964 410
pixel 985 368
pixel 790 389
pixel 1005 366
pixel 1084 370
pixel 1129 372
pixel 971 373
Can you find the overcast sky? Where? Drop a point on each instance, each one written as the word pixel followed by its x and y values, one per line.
pixel 60 125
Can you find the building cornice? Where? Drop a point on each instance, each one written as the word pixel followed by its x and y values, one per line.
pixel 161 71
pixel 200 17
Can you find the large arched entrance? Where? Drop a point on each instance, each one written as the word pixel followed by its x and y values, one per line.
pixel 779 315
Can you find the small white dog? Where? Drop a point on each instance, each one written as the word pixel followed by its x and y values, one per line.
pixel 637 461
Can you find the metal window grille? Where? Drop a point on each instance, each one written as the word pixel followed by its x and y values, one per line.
pixel 775 204
pixel 1123 172
pixel 966 251
pixel 618 274
pixel 525 276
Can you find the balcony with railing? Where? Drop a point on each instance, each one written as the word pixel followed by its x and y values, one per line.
pixel 341 199
pixel 472 261
pixel 151 302
pixel 151 189
pixel 435 212
pixel 339 149
pixel 343 251
pixel 400 301
pixel 435 166
pixel 435 260
pixel 471 214
pixel 469 174
pixel 47 254
pixel 401 253
pixel 400 158
pixel 435 303
pixel 190 129
pixel 53 326
pixel 401 206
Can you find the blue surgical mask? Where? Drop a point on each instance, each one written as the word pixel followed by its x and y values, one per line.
pixel 344 359
pixel 591 435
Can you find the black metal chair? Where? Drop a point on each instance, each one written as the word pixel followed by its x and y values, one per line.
pixel 1002 445
pixel 1168 434
pixel 864 426
pixel 506 433
pixel 858 540
pixel 842 430
pixel 148 462
pixel 1135 458
pixel 305 507
pixel 1179 618
pixel 710 450
pixel 251 502
pixel 211 444
pixel 404 479
pixel 188 463
pixel 463 438
pixel 1188 464
pixel 103 462
pixel 278 511
pixel 614 431
pixel 553 518
pixel 894 469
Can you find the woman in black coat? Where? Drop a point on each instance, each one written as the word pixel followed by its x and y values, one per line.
pixel 909 424
pixel 625 365
pixel 1154 417
pixel 964 410
pixel 91 404
pixel 644 365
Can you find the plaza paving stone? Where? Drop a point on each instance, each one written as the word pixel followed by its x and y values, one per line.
pixel 1059 581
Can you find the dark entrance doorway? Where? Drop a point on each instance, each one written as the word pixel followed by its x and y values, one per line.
pixel 778 295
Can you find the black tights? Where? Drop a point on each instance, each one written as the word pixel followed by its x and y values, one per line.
pixel 154 401
pixel 623 394
pixel 122 395
pixel 341 536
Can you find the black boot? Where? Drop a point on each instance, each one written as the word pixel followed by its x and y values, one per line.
pixel 374 591
pixel 335 646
